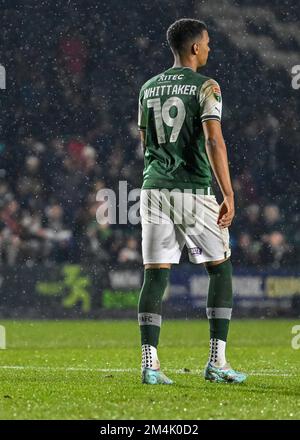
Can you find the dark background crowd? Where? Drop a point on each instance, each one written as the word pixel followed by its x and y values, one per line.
pixel 69 125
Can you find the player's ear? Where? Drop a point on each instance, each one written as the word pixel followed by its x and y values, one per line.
pixel 195 48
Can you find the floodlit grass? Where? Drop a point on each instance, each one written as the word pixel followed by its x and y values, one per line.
pixel 91 370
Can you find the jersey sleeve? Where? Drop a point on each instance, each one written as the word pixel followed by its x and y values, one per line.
pixel 210 100
pixel 141 113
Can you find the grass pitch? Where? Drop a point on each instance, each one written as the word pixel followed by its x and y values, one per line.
pixel 91 370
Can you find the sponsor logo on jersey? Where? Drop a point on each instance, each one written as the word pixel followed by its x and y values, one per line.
pixel 217 93
pixel 170 77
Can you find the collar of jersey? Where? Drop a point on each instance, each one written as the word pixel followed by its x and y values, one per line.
pixel 180 67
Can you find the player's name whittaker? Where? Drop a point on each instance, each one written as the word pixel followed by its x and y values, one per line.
pixel 184 89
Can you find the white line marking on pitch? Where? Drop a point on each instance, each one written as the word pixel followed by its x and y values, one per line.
pixel 133 370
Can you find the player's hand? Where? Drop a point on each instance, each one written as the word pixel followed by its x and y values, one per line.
pixel 226 212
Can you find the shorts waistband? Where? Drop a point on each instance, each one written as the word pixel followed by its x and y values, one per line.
pixel 206 191
pixel 200 191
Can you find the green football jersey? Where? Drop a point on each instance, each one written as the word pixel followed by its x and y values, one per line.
pixel 172 107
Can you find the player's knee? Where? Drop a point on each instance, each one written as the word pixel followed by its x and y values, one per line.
pixel 216 263
pixel 222 269
pixel 158 266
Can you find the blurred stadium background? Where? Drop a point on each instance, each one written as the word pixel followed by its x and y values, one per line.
pixel 68 128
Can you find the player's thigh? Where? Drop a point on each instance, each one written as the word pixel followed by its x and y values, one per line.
pixel 160 243
pixel 205 240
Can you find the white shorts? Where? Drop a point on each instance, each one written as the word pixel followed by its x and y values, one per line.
pixel 171 220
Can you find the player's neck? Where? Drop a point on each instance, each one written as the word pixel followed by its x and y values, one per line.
pixel 178 62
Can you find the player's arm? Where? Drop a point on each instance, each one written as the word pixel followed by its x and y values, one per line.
pixel 211 111
pixel 217 154
pixel 143 137
pixel 142 122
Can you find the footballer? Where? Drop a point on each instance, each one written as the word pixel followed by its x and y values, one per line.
pixel 180 126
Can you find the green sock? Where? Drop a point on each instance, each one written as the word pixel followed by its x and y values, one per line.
pixel 150 304
pixel 219 300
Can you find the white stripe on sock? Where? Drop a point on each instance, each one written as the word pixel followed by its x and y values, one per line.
pixel 217 352
pixel 149 357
